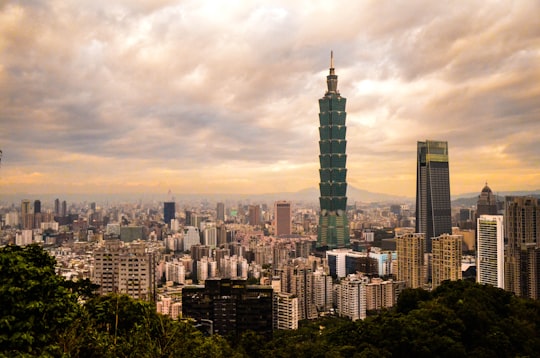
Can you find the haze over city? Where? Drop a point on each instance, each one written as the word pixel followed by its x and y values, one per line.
pixel 221 97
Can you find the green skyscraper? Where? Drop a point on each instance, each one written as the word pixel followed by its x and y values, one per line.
pixel 333 223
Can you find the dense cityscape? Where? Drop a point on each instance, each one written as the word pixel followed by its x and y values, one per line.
pixel 275 275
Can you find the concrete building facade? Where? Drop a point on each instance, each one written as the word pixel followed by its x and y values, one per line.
pixel 490 250
pixel 411 260
pixel 446 258
pixel 285 311
pixel 282 218
pixel 127 269
pixel 522 262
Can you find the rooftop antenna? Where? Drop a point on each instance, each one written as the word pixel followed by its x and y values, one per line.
pixel 331 79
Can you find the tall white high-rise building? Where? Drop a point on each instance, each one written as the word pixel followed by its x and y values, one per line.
pixel 490 250
pixel 351 297
pixel 322 290
pixel 285 311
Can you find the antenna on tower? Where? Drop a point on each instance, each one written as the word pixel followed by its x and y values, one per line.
pixel 331 59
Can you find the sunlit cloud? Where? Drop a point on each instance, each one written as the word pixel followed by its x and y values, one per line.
pixel 215 97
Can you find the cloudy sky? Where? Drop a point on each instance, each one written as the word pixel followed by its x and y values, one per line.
pixel 221 96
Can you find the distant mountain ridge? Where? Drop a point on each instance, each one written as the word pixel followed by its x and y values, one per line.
pixel 305 195
pixel 308 195
pixel 353 195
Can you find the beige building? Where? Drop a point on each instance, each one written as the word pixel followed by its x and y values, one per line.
pixel 282 218
pixel 169 307
pixel 125 268
pixel 382 294
pixel 469 238
pixel 302 287
pixel 446 258
pixel 322 290
pixel 27 215
pixel 410 257
pixel 285 311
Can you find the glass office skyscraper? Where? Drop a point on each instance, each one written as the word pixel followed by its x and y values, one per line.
pixel 433 211
pixel 169 212
pixel 333 224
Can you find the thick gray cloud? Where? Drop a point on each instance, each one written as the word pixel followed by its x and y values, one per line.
pixel 213 96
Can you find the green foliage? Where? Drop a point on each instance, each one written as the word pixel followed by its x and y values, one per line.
pixel 35 303
pixel 250 344
pixel 410 298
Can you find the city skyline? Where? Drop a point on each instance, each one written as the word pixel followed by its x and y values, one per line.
pixel 210 97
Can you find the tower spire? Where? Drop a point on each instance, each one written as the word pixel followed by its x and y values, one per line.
pixel 331 79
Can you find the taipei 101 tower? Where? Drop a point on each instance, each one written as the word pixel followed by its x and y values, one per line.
pixel 333 224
